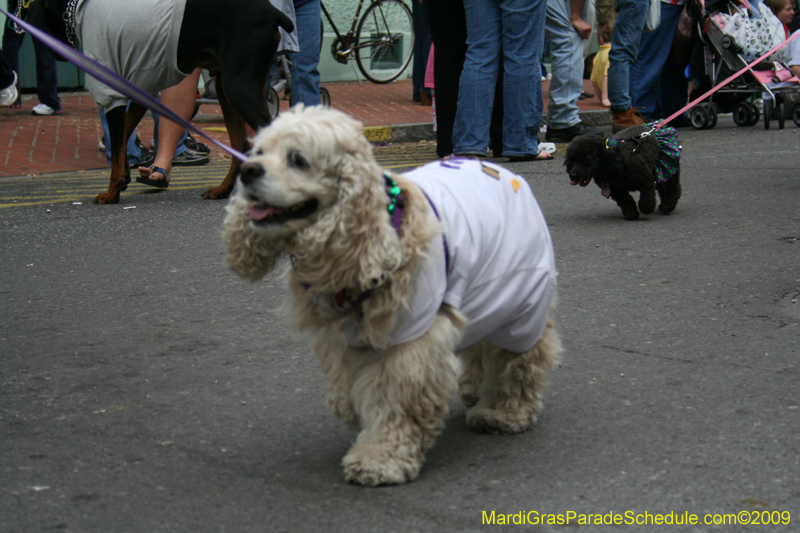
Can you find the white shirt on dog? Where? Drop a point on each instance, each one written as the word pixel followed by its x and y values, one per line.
pixel 500 263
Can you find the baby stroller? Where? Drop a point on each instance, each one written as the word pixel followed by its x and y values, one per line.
pixel 281 81
pixel 767 89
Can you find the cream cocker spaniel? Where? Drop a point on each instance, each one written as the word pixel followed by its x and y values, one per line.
pixel 413 287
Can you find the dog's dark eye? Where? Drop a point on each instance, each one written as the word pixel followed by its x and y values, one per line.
pixel 258 151
pixel 297 160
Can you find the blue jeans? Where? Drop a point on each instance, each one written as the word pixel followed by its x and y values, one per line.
pixel 516 26
pixel 566 66
pixel 133 149
pixel 305 76
pixel 647 73
pixel 625 38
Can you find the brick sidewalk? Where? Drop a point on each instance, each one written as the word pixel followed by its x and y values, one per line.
pixel 32 145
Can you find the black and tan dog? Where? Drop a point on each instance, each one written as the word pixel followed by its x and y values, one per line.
pixel 235 41
pixel 641 158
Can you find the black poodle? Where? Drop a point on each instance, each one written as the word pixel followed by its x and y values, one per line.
pixel 642 158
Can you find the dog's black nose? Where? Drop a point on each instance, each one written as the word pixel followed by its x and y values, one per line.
pixel 250 172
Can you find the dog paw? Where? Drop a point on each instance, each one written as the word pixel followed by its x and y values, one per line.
pixel 647 206
pixel 372 466
pixel 217 193
pixel 666 208
pixel 106 198
pixel 631 215
pixel 499 422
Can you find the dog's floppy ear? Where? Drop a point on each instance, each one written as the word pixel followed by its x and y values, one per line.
pixel 361 215
pixel 250 255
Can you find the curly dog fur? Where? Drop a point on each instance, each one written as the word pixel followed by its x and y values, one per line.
pixel 629 166
pixel 311 190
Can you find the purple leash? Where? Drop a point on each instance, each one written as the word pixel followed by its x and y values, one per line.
pixel 116 82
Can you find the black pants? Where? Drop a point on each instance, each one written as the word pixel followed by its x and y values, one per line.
pixel 6 74
pixel 448 24
pixel 46 67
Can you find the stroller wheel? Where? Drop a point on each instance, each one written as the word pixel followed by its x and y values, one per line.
pixel 699 117
pixel 325 97
pixel 796 115
pixel 756 115
pixel 742 114
pixel 781 111
pixel 767 112
pixel 713 115
pixel 273 103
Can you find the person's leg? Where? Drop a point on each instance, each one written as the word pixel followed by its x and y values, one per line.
pixel 305 75
pixel 180 98
pixel 448 26
pixel 477 84
pixel 654 52
pixel 674 88
pixel 422 47
pixel 625 38
pixel 181 142
pixel 12 41
pixel 566 68
pixel 46 74
pixel 6 74
pixel 133 150
pixel 8 84
pixel 523 36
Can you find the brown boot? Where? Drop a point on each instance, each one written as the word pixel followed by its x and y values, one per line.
pixel 625 119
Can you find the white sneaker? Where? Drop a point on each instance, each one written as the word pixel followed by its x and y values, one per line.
pixel 10 94
pixel 44 109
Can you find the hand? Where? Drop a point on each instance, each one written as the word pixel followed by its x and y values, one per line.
pixel 583 29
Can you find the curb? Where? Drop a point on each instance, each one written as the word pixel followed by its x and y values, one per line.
pixel 410 133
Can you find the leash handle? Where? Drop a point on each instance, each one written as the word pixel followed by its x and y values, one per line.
pixel 736 75
pixel 116 82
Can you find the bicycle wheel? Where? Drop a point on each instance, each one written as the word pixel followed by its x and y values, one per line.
pixel 385 41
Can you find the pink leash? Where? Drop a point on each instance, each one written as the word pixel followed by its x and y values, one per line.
pixel 733 76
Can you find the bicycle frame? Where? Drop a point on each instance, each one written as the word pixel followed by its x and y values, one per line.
pixel 382 45
pixel 345 55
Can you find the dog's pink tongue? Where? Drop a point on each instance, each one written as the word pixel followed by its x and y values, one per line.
pixel 574 182
pixel 606 193
pixel 260 213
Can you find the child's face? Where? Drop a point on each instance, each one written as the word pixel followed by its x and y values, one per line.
pixel 786 14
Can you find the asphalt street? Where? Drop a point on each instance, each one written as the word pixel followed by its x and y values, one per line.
pixel 145 388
